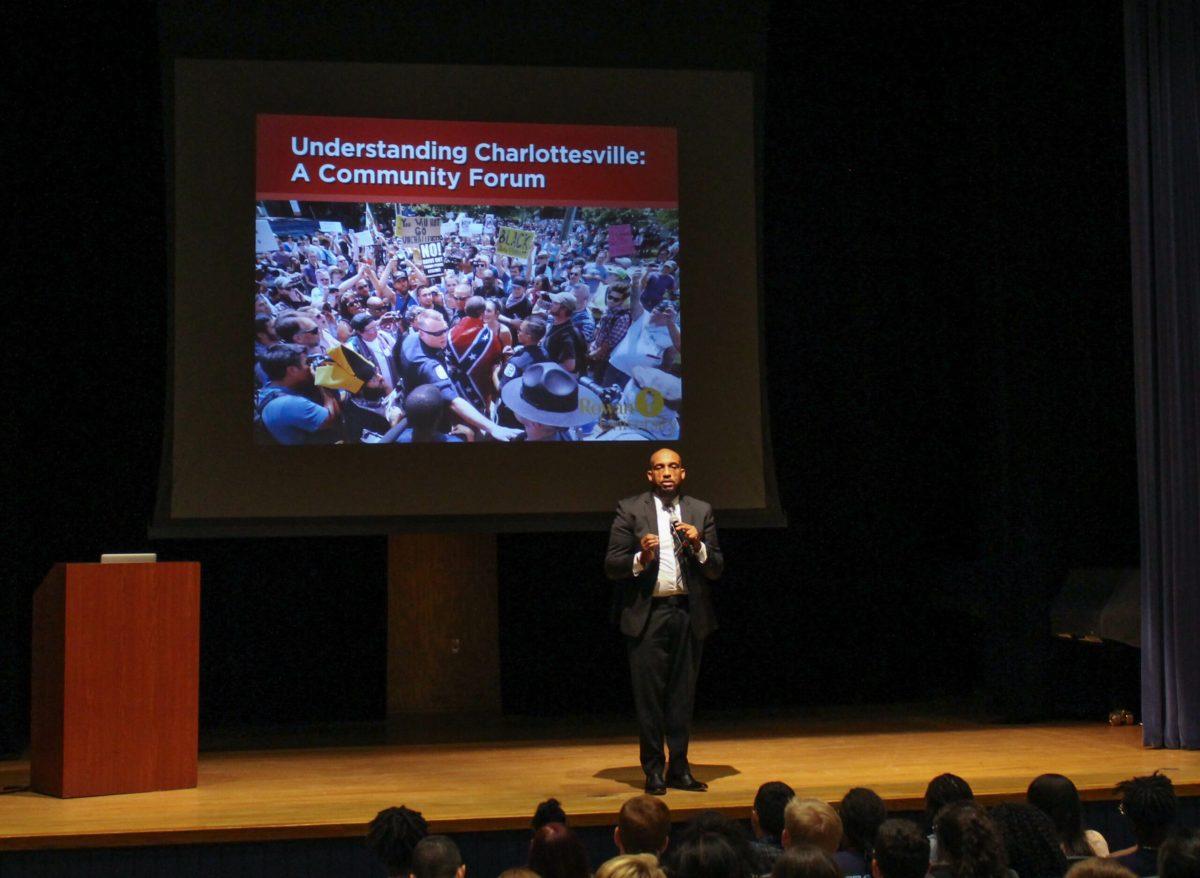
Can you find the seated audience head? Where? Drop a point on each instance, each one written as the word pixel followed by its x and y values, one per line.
pixel 1179 856
pixel 437 856
pixel 393 834
pixel 556 852
pixel 862 813
pixel 969 843
pixel 811 821
pixel 901 850
pixel 707 855
pixel 1030 841
pixel 1056 796
pixel 716 824
pixel 1099 867
pixel 1149 805
pixel 549 811
pixel 943 790
pixel 805 861
pixel 631 866
pixel 518 872
pixel 643 826
pixel 766 817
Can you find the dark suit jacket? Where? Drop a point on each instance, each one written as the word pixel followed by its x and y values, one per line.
pixel 636 516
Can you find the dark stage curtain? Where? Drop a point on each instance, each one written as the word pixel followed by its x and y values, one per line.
pixel 1162 68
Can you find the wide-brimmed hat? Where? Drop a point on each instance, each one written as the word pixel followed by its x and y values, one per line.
pixel 549 394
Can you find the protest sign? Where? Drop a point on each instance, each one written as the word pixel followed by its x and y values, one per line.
pixel 331 226
pixel 418 229
pixel 450 228
pixel 620 241
pixel 475 229
pixel 264 239
pixel 433 263
pixel 514 242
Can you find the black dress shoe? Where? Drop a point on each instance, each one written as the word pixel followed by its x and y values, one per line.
pixel 655 785
pixel 687 782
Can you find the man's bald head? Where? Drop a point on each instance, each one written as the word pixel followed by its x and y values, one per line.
pixel 666 472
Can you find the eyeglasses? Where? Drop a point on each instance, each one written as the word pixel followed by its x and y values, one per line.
pixel 618 297
pixel 434 332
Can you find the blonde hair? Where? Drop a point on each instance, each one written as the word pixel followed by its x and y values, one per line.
pixel 814 822
pixel 518 872
pixel 631 866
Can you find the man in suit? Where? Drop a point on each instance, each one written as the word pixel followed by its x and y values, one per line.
pixel 663 550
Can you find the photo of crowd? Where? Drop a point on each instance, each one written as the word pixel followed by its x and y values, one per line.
pixel 389 323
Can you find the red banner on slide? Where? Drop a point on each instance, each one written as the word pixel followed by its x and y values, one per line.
pixel 326 158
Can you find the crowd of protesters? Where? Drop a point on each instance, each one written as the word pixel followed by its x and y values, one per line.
pixel 368 342
pixel 793 836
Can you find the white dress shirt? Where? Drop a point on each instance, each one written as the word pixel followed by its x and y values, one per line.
pixel 670 580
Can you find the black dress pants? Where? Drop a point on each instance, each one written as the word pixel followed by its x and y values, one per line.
pixel 664 663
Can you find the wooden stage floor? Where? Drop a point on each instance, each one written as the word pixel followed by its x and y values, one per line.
pixel 258 795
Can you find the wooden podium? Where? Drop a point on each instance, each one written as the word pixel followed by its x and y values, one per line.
pixel 116 660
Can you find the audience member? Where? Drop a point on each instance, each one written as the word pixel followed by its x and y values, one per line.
pixel 811 821
pixel 766 822
pixel 713 823
pixel 518 872
pixel 968 841
pixel 862 812
pixel 1098 867
pixel 805 861
pixel 392 835
pixel 943 790
pixel 707 855
pixel 549 811
pixel 901 851
pixel 1030 841
pixel 643 826
pixel 1057 797
pixel 631 866
pixel 556 852
pixel 1179 856
pixel 436 856
pixel 1148 803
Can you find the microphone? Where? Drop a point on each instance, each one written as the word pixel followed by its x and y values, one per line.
pixel 680 543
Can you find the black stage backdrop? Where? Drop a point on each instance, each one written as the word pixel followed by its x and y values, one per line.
pixel 948 331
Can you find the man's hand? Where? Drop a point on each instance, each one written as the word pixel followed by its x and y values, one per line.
pixel 503 434
pixel 649 549
pixel 689 533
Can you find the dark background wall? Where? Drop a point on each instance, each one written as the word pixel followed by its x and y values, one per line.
pixel 948 331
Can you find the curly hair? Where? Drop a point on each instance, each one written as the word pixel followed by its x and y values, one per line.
pixel 392 836
pixel 969 841
pixel 1030 841
pixel 1149 803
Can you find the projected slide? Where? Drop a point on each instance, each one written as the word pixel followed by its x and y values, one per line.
pixel 451 282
